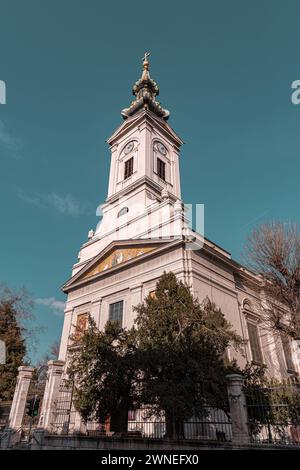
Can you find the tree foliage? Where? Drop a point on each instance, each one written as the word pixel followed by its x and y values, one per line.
pixel 183 344
pixel 172 361
pixel 15 309
pixel 103 368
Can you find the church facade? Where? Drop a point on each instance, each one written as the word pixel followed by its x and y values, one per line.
pixel 144 232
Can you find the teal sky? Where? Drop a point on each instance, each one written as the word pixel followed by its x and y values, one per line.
pixel 224 69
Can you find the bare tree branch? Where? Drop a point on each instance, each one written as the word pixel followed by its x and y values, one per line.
pixel 273 251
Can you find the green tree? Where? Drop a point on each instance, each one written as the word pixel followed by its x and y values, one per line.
pixel 172 361
pixel 15 310
pixel 104 370
pixel 182 345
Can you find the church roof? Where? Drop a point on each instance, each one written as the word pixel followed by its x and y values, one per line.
pixel 145 91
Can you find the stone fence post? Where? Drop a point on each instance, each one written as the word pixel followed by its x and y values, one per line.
pixel 20 397
pixel 51 393
pixel 238 409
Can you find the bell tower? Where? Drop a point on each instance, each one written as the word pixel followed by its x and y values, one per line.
pixel 145 150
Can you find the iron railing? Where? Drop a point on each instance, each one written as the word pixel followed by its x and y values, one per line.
pixel 214 426
pixel 274 413
pixel 64 413
pixel 5 407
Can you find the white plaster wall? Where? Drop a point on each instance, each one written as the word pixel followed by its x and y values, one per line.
pixel 144 135
pixel 130 285
pixel 208 277
pixel 157 223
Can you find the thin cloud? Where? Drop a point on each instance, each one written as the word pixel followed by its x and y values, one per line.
pixel 34 200
pixel 64 204
pixel 11 145
pixel 56 306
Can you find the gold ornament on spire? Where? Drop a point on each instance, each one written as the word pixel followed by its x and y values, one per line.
pixel 145 91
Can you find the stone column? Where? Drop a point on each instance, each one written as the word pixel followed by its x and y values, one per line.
pixel 54 376
pixel 20 397
pixel 238 409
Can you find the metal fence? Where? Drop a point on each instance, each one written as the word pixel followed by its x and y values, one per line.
pixel 273 417
pixel 214 426
pixel 274 413
pixel 36 390
pixel 64 413
pixel 4 413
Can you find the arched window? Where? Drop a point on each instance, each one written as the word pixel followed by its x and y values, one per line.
pixel 123 211
pixel 247 306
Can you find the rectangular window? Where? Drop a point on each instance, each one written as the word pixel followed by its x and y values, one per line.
pixel 161 169
pixel 128 169
pixel 286 345
pixel 254 343
pixel 116 312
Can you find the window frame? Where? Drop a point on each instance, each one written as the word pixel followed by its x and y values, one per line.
pixel 161 164
pixel 128 168
pixel 254 348
pixel 124 210
pixel 110 313
pixel 287 353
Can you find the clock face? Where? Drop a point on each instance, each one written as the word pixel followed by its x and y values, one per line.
pixel 161 148
pixel 128 148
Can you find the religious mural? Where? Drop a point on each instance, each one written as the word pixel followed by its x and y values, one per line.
pixel 118 256
pixel 81 325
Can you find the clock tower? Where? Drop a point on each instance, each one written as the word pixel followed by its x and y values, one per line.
pixel 144 180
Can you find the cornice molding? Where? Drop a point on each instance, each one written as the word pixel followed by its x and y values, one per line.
pixel 138 119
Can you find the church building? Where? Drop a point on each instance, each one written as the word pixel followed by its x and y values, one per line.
pixel 144 232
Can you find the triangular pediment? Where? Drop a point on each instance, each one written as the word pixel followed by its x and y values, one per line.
pixel 114 256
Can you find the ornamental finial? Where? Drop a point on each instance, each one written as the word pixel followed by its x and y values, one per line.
pixel 145 91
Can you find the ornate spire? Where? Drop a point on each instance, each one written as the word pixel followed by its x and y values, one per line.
pixel 145 91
